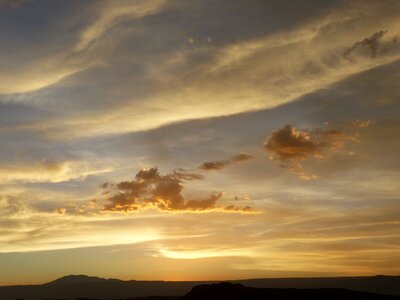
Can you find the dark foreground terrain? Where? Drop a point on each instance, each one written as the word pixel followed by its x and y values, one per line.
pixel 84 287
pixel 238 291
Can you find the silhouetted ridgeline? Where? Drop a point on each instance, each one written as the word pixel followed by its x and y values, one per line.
pixel 238 291
pixel 74 287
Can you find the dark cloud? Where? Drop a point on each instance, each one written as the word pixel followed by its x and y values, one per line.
pixel 372 44
pixel 185 175
pixel 219 164
pixel 214 165
pixel 164 192
pixel 242 157
pixel 244 197
pixel 291 146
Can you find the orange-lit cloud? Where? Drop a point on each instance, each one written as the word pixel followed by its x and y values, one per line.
pixel 288 143
pixel 61 210
pixel 291 146
pixel 164 192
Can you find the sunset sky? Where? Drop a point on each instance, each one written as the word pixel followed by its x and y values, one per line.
pixel 199 139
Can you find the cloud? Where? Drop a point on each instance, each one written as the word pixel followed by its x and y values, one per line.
pixel 360 123
pixel 207 253
pixel 113 14
pixel 297 169
pixel 372 44
pixel 150 189
pixel 214 165
pixel 156 71
pixel 242 157
pixel 220 164
pixel 61 210
pixel 48 171
pixel 244 197
pixel 49 67
pixel 185 175
pixel 290 146
pixel 10 206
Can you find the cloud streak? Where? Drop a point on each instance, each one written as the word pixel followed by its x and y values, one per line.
pixel 220 164
pixel 112 14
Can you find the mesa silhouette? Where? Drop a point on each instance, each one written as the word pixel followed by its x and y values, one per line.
pixel 80 286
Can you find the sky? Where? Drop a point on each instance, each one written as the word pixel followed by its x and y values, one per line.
pixel 199 139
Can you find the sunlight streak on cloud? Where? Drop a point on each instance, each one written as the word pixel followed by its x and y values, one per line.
pixel 44 171
pixel 111 14
pixel 198 254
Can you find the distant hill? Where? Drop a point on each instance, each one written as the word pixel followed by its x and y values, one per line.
pixel 81 286
pixel 78 279
pixel 240 292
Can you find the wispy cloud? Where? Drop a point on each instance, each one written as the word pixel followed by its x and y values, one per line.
pixel 113 14
pixel 48 171
pixel 45 71
pixel 255 71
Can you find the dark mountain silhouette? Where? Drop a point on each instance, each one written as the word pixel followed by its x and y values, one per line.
pixel 238 291
pixel 81 286
pixel 78 279
pixel 380 284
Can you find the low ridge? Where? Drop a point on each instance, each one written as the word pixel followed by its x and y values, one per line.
pixel 226 290
pixel 81 286
pixel 77 279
